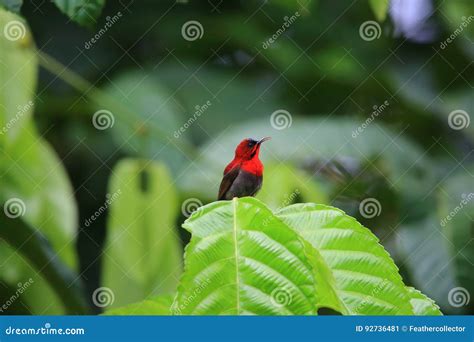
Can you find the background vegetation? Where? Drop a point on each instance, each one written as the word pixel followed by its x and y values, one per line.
pixel 359 118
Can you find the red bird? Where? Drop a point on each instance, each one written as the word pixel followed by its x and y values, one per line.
pixel 244 174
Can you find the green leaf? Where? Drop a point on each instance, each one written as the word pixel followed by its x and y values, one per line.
pixel 18 74
pixel 157 306
pixel 12 5
pixel 421 304
pixel 432 273
pixel 142 256
pixel 380 8
pixel 29 168
pixel 243 260
pixel 32 246
pixel 83 12
pixel 285 185
pixel 152 119
pixel 367 279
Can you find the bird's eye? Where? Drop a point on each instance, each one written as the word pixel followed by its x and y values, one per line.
pixel 251 143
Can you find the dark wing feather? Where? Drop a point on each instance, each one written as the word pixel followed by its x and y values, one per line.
pixel 226 183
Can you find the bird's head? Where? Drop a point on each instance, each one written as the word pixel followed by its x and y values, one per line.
pixel 249 148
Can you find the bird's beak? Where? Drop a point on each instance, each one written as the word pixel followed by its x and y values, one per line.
pixel 262 140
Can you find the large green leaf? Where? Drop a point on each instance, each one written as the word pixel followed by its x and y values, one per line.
pixel 142 256
pixel 243 260
pixel 84 12
pixel 380 8
pixel 18 75
pixel 367 279
pixel 421 304
pixel 30 171
pixel 44 265
pixel 156 306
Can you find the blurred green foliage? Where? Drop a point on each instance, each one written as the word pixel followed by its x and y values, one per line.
pixel 153 81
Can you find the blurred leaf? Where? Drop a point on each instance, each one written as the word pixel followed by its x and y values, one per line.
pixel 18 74
pixel 157 306
pixel 284 184
pixel 243 260
pixel 458 16
pixel 408 169
pixel 367 279
pixel 12 5
pixel 425 254
pixel 43 261
pixel 421 304
pixel 380 8
pixel 456 211
pixel 83 12
pixel 155 116
pixel 142 256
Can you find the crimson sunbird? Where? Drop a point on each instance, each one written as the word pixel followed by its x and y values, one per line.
pixel 243 176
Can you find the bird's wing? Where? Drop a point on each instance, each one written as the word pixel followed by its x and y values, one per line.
pixel 227 181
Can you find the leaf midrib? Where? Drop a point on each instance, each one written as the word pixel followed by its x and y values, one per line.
pixel 236 256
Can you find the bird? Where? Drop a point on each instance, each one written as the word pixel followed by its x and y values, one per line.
pixel 243 176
